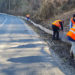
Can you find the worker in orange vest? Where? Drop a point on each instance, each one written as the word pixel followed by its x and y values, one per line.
pixel 71 36
pixel 28 17
pixel 72 21
pixel 56 25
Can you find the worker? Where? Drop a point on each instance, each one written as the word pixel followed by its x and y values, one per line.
pixel 56 26
pixel 72 21
pixel 28 17
pixel 71 36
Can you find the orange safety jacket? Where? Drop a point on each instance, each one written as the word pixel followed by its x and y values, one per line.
pixel 71 33
pixel 57 23
pixel 73 22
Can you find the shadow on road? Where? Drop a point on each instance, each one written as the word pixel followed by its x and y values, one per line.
pixel 19 40
pixel 30 59
pixel 14 31
pixel 29 46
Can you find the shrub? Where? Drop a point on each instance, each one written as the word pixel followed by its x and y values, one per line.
pixel 47 10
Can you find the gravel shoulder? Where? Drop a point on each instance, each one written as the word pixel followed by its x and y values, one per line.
pixel 60 51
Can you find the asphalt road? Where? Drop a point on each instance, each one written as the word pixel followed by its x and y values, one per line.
pixel 22 52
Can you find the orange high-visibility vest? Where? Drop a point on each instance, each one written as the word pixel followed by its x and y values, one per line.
pixel 73 23
pixel 57 23
pixel 71 33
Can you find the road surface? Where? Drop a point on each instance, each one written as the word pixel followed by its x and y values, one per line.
pixel 22 52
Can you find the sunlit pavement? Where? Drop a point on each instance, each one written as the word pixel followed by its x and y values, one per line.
pixel 22 52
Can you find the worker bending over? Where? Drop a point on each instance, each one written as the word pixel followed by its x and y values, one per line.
pixel 56 26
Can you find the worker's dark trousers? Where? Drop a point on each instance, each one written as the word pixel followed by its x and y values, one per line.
pixel 55 32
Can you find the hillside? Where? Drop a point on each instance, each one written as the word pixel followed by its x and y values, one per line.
pixel 41 11
pixel 19 7
pixel 51 10
pixel 34 6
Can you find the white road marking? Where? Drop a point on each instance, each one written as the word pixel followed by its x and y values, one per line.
pixel 3 22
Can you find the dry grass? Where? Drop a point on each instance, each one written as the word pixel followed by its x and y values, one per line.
pixel 50 8
pixel 49 12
